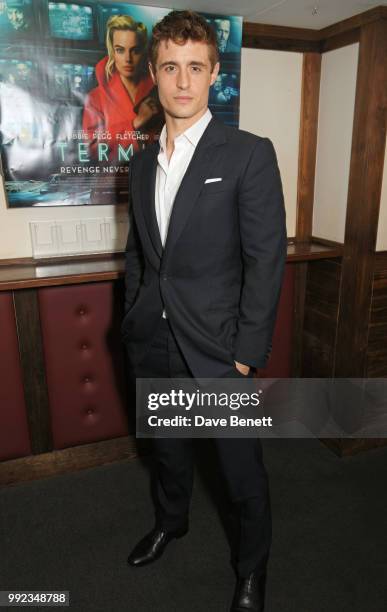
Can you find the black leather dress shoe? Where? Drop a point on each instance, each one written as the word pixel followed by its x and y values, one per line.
pixel 249 595
pixel 152 546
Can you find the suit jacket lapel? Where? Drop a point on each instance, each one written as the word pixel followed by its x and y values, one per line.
pixel 198 170
pixel 148 185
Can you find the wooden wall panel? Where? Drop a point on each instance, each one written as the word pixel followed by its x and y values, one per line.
pixel 33 370
pixel 14 434
pixel 364 190
pixel 310 94
pixel 377 333
pixel 320 318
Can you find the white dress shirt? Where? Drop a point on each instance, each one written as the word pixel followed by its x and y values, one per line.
pixel 169 175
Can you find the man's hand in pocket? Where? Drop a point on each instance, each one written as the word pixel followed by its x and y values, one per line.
pixel 242 368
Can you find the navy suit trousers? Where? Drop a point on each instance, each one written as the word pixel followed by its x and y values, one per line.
pixel 240 462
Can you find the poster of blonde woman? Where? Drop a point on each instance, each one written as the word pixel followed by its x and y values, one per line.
pixel 77 100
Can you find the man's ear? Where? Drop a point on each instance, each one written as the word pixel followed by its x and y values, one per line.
pixel 214 73
pixel 152 73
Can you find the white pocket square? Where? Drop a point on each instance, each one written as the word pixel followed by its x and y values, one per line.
pixel 212 180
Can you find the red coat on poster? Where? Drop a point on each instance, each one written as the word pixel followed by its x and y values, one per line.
pixel 109 113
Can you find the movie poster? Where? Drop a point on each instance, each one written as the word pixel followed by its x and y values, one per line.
pixel 73 110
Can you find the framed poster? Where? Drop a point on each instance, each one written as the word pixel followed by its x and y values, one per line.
pixel 68 124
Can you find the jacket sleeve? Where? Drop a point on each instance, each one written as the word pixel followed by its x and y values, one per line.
pixel 134 263
pixel 262 224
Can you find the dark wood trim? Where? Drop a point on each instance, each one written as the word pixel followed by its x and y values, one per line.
pixel 279 38
pixel 364 192
pixel 308 40
pixel 377 332
pixel 300 278
pixel 326 242
pixel 375 14
pixel 310 34
pixel 380 261
pixel 309 251
pixel 310 95
pixel 70 460
pixel 320 318
pixel 340 40
pixel 251 41
pixel 280 32
pixel 33 369
pixel 26 273
pixel 17 261
pixel 65 279
pixel 73 272
pixel 31 261
pixel 65 272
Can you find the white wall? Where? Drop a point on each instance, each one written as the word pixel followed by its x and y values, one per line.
pixel 336 110
pixel 381 242
pixel 270 106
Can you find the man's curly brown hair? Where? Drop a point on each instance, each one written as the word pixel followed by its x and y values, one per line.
pixel 180 26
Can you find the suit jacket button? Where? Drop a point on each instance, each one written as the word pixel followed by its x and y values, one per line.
pixel 165 277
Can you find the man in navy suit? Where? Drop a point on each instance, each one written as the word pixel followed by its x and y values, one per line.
pixel 204 265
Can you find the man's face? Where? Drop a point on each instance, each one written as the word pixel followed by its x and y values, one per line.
pixel 22 71
pixel 16 17
pixel 183 75
pixel 218 83
pixel 127 54
pixel 222 33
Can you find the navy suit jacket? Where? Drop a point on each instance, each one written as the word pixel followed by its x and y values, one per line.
pixel 220 274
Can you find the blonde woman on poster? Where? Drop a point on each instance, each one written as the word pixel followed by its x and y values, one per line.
pixel 123 109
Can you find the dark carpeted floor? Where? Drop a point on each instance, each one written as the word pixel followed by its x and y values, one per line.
pixel 329 550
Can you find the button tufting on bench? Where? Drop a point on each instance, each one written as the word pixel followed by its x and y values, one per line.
pixel 80 325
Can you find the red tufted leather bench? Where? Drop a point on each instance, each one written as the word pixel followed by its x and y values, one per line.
pixel 84 362
pixel 14 436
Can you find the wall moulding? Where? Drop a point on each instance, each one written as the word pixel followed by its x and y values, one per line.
pixel 302 40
